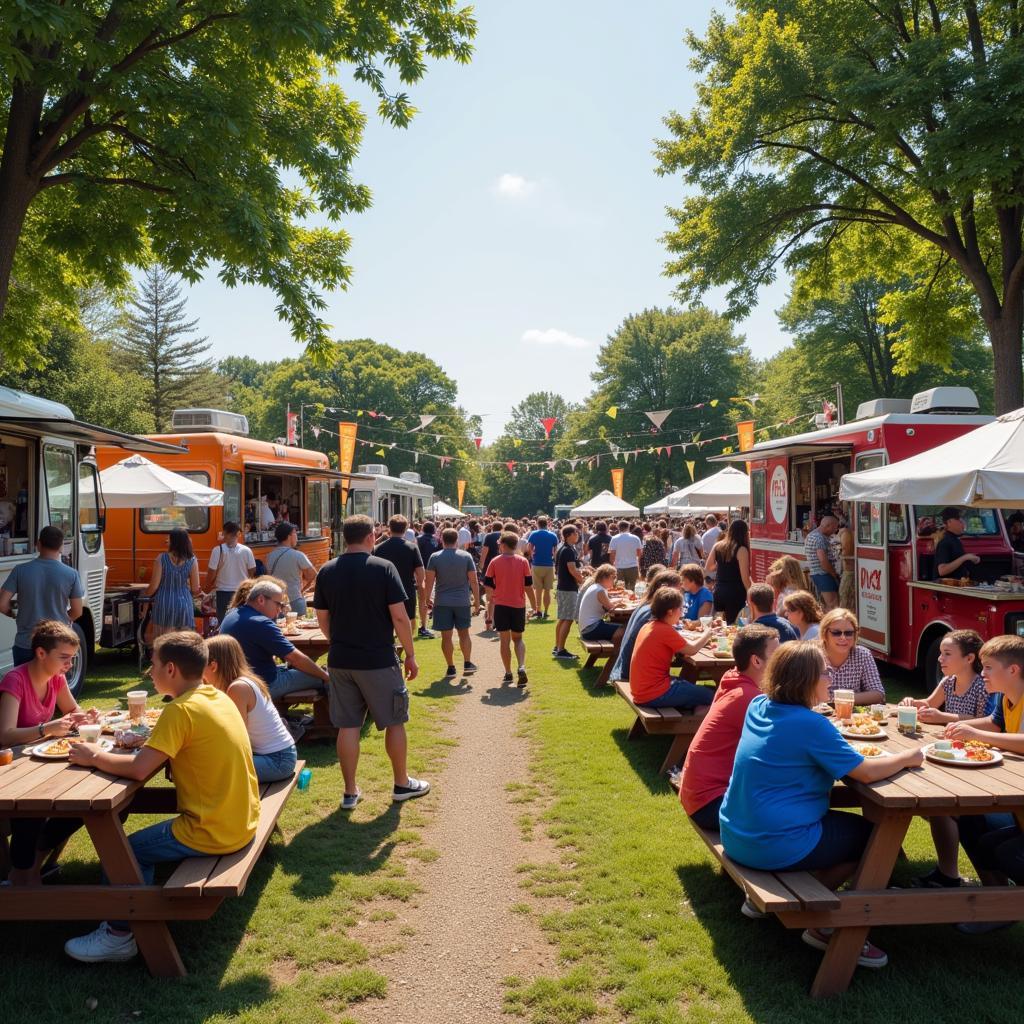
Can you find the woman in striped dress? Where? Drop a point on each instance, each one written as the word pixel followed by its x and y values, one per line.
pixel 174 584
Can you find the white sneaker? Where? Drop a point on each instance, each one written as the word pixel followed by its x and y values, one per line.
pixel 749 910
pixel 101 945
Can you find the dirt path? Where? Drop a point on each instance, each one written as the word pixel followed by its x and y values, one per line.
pixel 466 936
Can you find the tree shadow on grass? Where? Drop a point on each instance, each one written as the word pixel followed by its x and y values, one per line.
pixel 645 756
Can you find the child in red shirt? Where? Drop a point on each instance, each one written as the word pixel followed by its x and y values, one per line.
pixel 508 576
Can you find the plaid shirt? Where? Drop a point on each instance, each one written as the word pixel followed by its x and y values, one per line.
pixel 858 673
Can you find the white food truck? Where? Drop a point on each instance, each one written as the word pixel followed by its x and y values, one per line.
pixel 48 477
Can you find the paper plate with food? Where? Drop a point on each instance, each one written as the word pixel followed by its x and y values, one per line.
pixel 854 730
pixel 868 750
pixel 962 753
pixel 110 720
pixel 58 750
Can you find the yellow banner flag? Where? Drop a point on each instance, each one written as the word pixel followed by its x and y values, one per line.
pixel 617 475
pixel 690 467
pixel 346 454
pixel 461 484
pixel 612 411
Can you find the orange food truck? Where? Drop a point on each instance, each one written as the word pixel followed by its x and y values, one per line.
pixel 261 482
pixel 903 610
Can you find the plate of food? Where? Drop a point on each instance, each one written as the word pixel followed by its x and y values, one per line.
pixel 110 720
pixel 861 730
pixel 58 750
pixel 868 750
pixel 962 753
pixel 308 624
pixel 151 716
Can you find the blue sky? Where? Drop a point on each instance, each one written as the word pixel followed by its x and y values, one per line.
pixel 516 223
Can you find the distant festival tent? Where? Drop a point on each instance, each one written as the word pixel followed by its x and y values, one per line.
pixel 728 488
pixel 605 504
pixel 443 510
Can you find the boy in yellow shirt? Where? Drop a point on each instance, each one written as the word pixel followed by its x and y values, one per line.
pixel 203 736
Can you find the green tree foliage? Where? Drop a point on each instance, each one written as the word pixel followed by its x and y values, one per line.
pixel 659 359
pixel 197 133
pixel 363 375
pixel 157 344
pixel 900 121
pixel 523 491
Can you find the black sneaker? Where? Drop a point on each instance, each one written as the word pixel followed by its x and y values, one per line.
pixel 425 634
pixel 523 678
pixel 935 879
pixel 507 678
pixel 564 655
pixel 451 672
pixel 468 669
pixel 554 652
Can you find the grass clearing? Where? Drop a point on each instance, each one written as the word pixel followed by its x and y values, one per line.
pixel 652 932
pixel 288 950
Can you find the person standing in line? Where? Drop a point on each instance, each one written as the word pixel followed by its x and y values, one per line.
pixel 406 559
pixel 465 537
pixel 489 550
pixel 454 573
pixel 173 585
pixel 541 552
pixel 46 588
pixel 597 546
pixel 709 538
pixel 688 549
pixel 824 574
pixel 624 553
pixel 427 541
pixel 231 562
pixel 845 562
pixel 567 593
pixel 287 563
pixel 509 576
pixel 361 605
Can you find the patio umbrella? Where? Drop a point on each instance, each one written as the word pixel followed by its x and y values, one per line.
pixel 983 468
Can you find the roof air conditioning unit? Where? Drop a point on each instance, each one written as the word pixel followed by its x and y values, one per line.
pixel 413 478
pixel 193 421
pixel 881 407
pixel 373 469
pixel 937 400
pixel 820 421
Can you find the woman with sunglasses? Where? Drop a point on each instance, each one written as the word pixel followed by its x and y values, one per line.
pixel 850 665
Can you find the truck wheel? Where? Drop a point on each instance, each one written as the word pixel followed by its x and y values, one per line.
pixel 930 663
pixel 79 667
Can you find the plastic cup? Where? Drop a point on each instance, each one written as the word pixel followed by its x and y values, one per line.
pixel 705 622
pixel 90 733
pixel 906 720
pixel 291 618
pixel 136 705
pixel 304 776
pixel 878 712
pixel 844 704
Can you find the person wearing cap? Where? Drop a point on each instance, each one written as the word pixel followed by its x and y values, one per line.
pixel 951 561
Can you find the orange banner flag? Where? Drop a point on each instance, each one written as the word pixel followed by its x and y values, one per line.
pixel 461 484
pixel 346 454
pixel 617 475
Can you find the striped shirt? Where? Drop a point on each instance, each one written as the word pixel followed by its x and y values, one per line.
pixel 815 542
pixel 858 673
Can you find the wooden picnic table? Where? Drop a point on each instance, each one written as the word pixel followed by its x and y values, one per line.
pixel 931 791
pixel 311 642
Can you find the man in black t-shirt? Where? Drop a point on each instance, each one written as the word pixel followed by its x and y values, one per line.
pixel 951 561
pixel 361 605
pixel 567 587
pixel 406 558
pixel 427 542
pixel 489 548
pixel 598 545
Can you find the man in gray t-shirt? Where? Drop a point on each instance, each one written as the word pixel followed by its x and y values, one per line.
pixel 291 566
pixel 454 573
pixel 46 589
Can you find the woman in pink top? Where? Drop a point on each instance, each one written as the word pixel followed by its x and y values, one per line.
pixel 29 697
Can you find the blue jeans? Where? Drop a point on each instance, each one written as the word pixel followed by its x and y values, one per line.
pixel 982 834
pixel 824 583
pixel 290 679
pixel 21 655
pixel 682 694
pixel 276 766
pixel 843 839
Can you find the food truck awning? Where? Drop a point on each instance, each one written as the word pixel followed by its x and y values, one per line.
pixel 812 443
pixel 279 467
pixel 88 433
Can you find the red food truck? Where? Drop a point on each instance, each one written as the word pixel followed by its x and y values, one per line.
pixel 903 610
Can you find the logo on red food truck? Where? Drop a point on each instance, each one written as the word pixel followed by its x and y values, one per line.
pixel 779 494
pixel 870 579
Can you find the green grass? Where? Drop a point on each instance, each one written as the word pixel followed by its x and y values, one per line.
pixel 647 927
pixel 286 951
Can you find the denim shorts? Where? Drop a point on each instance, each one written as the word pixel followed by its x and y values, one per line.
pixel 449 617
pixel 682 694
pixel 825 583
pixel 276 766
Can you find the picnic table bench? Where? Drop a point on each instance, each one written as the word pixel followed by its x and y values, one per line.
pixel 31 788
pixel 679 723
pixel 598 650
pixel 322 727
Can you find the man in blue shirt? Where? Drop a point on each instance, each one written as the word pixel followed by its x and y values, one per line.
pixel 761 599
pixel 541 552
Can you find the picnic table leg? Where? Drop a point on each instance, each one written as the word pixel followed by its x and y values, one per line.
pixel 153 937
pixel 602 679
pixel 873 872
pixel 680 745
pixel 636 730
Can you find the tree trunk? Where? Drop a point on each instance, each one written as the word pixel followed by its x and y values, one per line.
pixel 1005 335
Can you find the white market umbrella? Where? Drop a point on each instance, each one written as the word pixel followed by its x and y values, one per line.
pixel 605 504
pixel 442 508
pixel 725 489
pixel 983 468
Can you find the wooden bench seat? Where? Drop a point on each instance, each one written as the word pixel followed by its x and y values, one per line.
pixel 598 650
pixel 321 729
pixel 679 723
pixel 227 875
pixel 773 892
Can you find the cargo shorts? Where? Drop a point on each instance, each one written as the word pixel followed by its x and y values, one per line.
pixel 352 692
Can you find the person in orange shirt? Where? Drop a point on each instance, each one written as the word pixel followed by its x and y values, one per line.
pixel 650 678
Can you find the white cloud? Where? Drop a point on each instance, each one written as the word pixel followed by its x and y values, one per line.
pixel 514 186
pixel 554 336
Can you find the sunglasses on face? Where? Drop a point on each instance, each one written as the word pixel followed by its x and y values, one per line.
pixel 842 632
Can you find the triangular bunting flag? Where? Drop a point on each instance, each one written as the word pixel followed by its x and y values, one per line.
pixel 547 423
pixel 415 458
pixel 713 403
pixel 696 437
pixel 573 464
pixel 380 452
pixel 511 465
pixel 425 421
pixel 690 467
pixel 658 417
pixel 612 411
pixel 316 431
pixel 478 441
pixel 551 463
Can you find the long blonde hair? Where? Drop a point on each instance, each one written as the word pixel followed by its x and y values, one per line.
pixel 227 652
pixel 789 572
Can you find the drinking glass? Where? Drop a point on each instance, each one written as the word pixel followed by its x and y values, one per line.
pixel 136 705
pixel 90 733
pixel 844 704
pixel 907 720
pixel 705 622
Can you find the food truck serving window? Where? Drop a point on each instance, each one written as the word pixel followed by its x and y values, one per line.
pixel 232 485
pixel 318 508
pixel 271 498
pixel 757 495
pixel 15 484
pixel 163 520
pixel 978 522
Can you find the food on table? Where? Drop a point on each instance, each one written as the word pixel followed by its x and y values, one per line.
pixel 868 728
pixel 868 750
pixel 962 752
pixel 131 739
pixel 6 756
pixel 151 715
pixel 58 748
pixel 942 745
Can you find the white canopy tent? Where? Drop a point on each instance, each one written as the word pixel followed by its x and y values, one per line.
pixel 605 504
pixel 662 508
pixel 445 511
pixel 728 488
pixel 983 469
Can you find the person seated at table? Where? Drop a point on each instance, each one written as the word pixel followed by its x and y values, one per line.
pixel 994 842
pixel 273 749
pixel 785 576
pixel 29 696
pixel 639 618
pixel 698 601
pixel 803 613
pixel 595 604
pixel 761 601
pixel 254 626
pixel 961 696
pixel 650 668
pixel 202 735
pixel 775 814
pixel 708 765
pixel 850 665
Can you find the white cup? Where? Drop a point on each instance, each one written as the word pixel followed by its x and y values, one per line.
pixel 90 733
pixel 705 622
